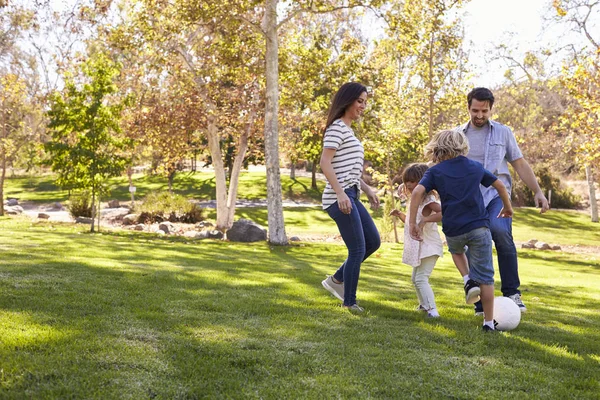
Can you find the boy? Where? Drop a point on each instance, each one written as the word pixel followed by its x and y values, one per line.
pixel 465 220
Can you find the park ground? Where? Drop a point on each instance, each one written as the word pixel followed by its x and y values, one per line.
pixel 123 314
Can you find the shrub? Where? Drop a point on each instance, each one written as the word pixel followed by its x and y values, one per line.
pixel 162 206
pixel 80 204
pixel 562 197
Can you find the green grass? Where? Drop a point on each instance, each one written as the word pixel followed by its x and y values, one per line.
pixel 199 186
pixel 132 315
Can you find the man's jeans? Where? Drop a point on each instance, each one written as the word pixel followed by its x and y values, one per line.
pixel 501 229
pixel 361 238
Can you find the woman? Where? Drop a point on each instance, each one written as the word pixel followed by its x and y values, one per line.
pixel 342 164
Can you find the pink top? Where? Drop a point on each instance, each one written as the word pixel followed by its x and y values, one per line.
pixel 415 251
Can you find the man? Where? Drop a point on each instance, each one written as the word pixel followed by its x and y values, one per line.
pixel 494 145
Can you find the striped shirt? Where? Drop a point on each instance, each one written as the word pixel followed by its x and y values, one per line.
pixel 347 161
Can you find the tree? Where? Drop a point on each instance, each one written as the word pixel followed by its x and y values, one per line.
pixel 84 121
pixel 581 76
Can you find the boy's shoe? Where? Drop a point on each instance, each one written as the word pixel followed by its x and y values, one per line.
pixel 433 314
pixel 355 308
pixel 517 299
pixel 478 308
pixel 486 328
pixel 472 291
pixel 336 289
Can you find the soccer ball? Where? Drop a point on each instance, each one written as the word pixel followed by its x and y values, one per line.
pixel 506 313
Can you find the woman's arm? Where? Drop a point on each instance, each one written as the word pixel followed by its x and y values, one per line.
pixel 344 202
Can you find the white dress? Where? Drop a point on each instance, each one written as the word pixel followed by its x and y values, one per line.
pixel 415 251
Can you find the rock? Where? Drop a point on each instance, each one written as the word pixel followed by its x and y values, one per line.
pixel 215 234
pixel 532 242
pixel 204 224
pixel 527 246
pixel 542 246
pixel 202 235
pixel 11 201
pixel 555 247
pixel 139 227
pixel 191 234
pixel 43 216
pixel 83 220
pixel 160 232
pixel 114 204
pixel 294 239
pixel 13 210
pixel 166 227
pixel 57 206
pixel 244 230
pixel 130 219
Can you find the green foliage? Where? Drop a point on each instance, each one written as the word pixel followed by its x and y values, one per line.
pixel 84 121
pixel 80 204
pixel 162 206
pixel 562 197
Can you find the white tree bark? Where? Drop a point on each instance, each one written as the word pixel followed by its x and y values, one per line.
pixel 589 173
pixel 274 203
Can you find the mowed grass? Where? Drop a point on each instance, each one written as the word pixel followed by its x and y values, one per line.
pixel 198 186
pixel 132 315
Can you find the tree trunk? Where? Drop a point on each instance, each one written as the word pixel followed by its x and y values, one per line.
pixel 238 162
pixel 130 176
pixel 214 147
pixel 589 173
pixel 293 171
pixel 93 210
pixel 313 183
pixel 274 199
pixel 2 177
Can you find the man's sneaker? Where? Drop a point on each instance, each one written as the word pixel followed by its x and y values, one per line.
pixel 472 291
pixel 421 308
pixel 517 299
pixel 486 328
pixel 478 308
pixel 336 289
pixel 355 308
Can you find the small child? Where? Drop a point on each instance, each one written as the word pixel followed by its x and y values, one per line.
pixel 421 255
pixel 465 220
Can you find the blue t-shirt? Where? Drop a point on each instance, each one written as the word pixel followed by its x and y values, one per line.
pixel 457 182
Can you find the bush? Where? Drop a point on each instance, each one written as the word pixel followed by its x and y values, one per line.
pixel 163 206
pixel 80 204
pixel 562 197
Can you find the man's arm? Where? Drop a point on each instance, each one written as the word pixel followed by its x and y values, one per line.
pixel 526 174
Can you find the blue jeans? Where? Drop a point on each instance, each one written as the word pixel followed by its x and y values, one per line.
pixel 361 238
pixel 479 242
pixel 501 229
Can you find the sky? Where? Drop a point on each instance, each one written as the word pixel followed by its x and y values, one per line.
pixel 519 24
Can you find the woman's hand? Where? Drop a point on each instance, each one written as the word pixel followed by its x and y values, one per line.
pixel 373 199
pixel 344 203
pixel 397 213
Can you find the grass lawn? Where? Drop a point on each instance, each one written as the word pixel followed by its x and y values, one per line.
pixel 131 315
pixel 199 186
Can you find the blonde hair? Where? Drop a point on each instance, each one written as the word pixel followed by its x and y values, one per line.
pixel 446 145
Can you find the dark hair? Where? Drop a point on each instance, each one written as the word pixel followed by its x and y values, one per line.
pixel 480 94
pixel 414 172
pixel 344 98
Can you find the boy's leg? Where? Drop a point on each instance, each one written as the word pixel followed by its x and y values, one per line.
pixel 456 246
pixel 487 300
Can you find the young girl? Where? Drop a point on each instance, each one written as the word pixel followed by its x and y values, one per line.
pixel 421 255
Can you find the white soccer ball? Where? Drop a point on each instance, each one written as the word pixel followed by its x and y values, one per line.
pixel 506 313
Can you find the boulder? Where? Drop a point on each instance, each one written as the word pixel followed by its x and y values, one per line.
pixel 555 247
pixel 13 210
pixel 204 224
pixel 83 220
pixel 114 204
pixel 166 227
pixel 11 201
pixel 294 239
pixel 57 206
pixel 191 234
pixel 130 219
pixel 542 246
pixel 532 242
pixel 215 234
pixel 43 216
pixel 527 245
pixel 139 227
pixel 244 230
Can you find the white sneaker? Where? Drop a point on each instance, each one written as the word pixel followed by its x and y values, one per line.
pixel 517 299
pixel 336 289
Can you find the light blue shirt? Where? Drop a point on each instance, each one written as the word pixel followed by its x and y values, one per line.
pixel 501 148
